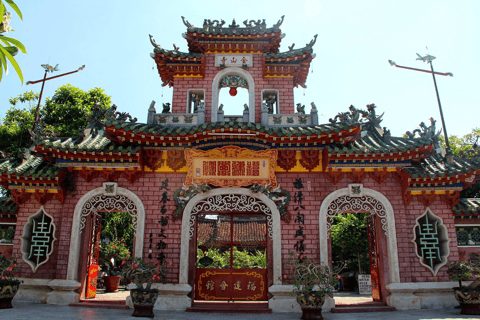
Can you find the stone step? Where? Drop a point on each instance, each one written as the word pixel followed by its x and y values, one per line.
pixel 362 308
pixel 104 304
pixel 230 307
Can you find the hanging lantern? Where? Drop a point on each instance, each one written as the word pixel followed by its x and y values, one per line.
pixel 233 91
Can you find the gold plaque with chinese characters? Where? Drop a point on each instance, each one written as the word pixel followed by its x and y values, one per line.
pixel 231 166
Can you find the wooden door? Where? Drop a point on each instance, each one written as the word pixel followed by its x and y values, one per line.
pixel 231 262
pixel 373 256
pixel 93 257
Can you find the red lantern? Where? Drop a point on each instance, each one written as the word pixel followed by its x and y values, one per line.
pixel 233 91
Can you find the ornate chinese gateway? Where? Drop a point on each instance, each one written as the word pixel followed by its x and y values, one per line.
pixel 222 195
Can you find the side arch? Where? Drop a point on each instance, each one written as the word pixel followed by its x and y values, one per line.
pixel 388 227
pixel 276 230
pixel 251 90
pixel 134 204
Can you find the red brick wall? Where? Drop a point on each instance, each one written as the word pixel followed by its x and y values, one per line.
pixel 410 268
pixel 49 269
pixel 284 85
pixel 147 188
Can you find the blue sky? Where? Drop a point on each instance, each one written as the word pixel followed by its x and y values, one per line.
pixel 355 41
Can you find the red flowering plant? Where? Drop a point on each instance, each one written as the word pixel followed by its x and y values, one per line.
pixel 8 270
pixel 112 254
pixel 144 273
pixel 311 282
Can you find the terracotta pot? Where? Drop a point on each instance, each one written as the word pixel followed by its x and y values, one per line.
pixel 7 292
pixel 111 283
pixel 469 299
pixel 143 302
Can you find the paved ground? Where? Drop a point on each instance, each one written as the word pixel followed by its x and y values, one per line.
pixel 121 294
pixel 27 311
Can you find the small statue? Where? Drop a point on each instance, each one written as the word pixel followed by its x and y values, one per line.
pixel 386 135
pixel 166 107
pixel 314 107
pixel 300 108
pixel 245 107
pixel 152 105
pixel 220 107
pixel 270 102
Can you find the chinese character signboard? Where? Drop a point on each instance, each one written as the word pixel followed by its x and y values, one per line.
pixel 231 166
pixel 233 60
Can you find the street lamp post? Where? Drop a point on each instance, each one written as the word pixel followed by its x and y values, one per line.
pixel 429 58
pixel 48 68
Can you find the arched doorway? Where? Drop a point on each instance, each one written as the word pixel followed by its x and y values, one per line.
pixel 233 71
pixel 109 198
pixel 235 205
pixel 356 199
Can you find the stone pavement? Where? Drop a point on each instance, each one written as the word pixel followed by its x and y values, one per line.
pixel 29 311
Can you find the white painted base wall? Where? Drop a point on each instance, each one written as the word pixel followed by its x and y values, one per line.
pixel 422 295
pixel 60 292
pixel 403 296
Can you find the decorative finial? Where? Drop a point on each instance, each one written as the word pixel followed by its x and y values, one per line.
pixel 427 58
pixel 49 68
pixel 309 45
pixel 152 41
pixel 186 23
pixel 279 23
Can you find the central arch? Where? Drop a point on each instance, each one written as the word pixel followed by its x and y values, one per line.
pixel 273 224
pixel 235 71
pixel 372 201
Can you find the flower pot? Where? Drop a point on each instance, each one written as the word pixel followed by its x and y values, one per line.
pixel 311 305
pixel 111 283
pixel 143 302
pixel 8 289
pixel 469 299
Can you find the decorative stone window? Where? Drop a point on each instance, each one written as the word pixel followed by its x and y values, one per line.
pixel 7 233
pixel 270 99
pixel 38 238
pixel 431 241
pixel 468 235
pixel 195 99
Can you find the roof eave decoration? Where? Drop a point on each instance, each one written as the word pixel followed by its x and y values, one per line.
pixel 173 63
pixel 184 137
pixel 214 36
pixel 293 63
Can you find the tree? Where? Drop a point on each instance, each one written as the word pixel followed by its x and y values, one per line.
pixel 12 45
pixel 68 110
pixel 468 147
pixel 65 114
pixel 350 241
pixel 14 136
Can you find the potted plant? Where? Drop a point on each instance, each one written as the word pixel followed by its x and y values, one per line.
pixel 111 255
pixel 311 284
pixel 143 274
pixel 9 284
pixel 467 296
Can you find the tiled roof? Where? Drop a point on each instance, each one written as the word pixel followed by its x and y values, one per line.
pixel 313 135
pixel 467 207
pixel 435 166
pixel 162 130
pixel 32 167
pixel 7 206
pixel 89 144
